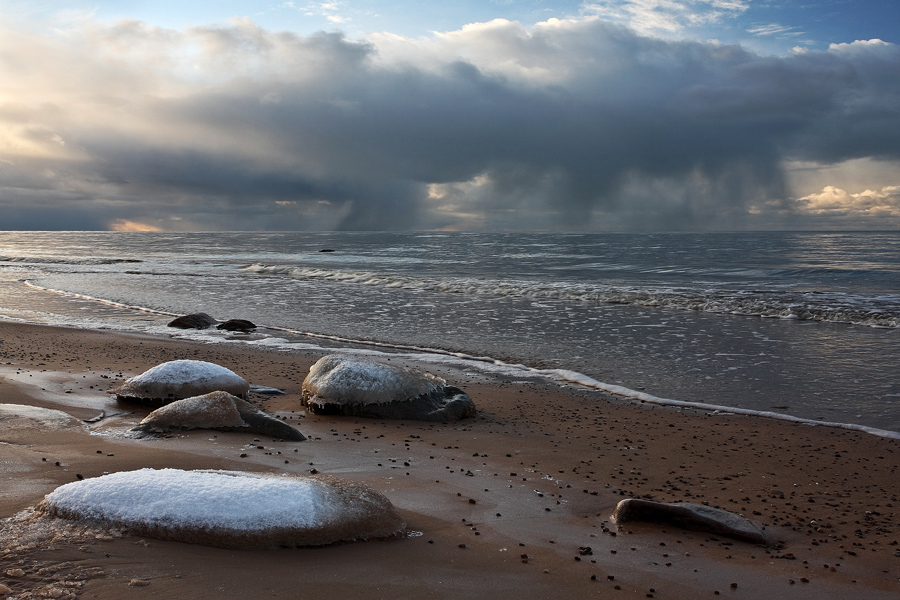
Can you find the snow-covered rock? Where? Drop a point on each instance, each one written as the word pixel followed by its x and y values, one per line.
pixel 216 410
pixel 178 379
pixel 228 509
pixel 345 385
pixel 687 515
pixel 17 417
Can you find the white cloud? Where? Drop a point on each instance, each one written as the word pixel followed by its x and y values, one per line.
pixel 665 16
pixel 774 29
pixel 833 201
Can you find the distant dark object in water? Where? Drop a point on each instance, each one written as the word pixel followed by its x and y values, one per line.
pixel 326 250
pixel 237 325
pixel 193 321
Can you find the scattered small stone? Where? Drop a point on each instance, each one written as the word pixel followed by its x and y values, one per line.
pixel 15 572
pixel 138 583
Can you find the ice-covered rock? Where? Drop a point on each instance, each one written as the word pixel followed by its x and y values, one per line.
pixel 228 509
pixel 345 385
pixel 18 417
pixel 193 321
pixel 216 410
pixel 687 515
pixel 178 379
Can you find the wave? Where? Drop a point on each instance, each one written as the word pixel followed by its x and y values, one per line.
pixel 494 366
pixel 486 364
pixel 45 260
pixel 832 307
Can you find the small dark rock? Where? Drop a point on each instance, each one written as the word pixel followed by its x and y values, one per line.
pixel 193 321
pixel 237 325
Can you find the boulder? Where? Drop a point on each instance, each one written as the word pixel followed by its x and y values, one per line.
pixel 349 386
pixel 179 379
pixel 241 325
pixel 193 321
pixel 687 515
pixel 220 411
pixel 228 509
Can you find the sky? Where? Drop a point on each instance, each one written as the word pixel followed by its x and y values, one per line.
pixel 493 115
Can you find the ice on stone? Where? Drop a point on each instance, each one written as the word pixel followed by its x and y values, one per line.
pixel 21 416
pixel 351 386
pixel 178 379
pixel 209 411
pixel 217 410
pixel 351 380
pixel 227 508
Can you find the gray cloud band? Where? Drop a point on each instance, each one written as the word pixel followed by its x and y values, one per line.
pixel 568 124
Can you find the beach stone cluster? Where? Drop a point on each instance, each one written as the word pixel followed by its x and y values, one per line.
pixel 202 320
pixel 350 386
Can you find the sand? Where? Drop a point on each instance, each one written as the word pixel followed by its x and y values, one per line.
pixel 515 502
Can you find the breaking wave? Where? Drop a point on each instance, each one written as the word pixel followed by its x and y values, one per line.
pixel 832 307
pixel 45 260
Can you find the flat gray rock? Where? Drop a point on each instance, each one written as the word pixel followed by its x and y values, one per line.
pixel 687 515
pixel 349 386
pixel 220 411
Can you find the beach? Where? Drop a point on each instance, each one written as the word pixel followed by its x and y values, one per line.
pixel 515 501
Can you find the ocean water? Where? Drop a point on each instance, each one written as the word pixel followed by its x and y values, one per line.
pixel 803 324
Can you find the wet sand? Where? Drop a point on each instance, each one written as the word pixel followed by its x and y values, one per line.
pixel 506 503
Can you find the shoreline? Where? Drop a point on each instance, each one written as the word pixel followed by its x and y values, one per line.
pixel 825 496
pixel 492 367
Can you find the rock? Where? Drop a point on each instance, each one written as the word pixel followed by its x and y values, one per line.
pixel 343 385
pixel 193 321
pixel 220 411
pixel 687 515
pixel 265 390
pixel 179 379
pixel 237 325
pixel 22 416
pixel 228 509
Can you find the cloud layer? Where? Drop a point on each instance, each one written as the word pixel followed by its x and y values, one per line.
pixel 568 124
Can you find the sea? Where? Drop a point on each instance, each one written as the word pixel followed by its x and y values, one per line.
pixel 797 325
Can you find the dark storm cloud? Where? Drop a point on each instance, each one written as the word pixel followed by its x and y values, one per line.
pixel 569 123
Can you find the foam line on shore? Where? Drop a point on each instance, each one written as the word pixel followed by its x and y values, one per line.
pixel 493 365
pixel 100 300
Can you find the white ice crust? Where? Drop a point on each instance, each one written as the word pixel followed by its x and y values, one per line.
pixel 351 380
pixel 184 378
pixel 21 415
pixel 221 500
pixel 216 409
